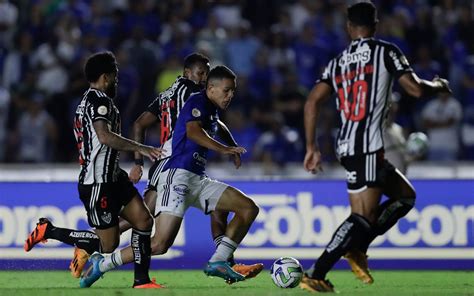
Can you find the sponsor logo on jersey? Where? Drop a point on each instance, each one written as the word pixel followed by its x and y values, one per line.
pixel 351 177
pixel 355 57
pixel 181 189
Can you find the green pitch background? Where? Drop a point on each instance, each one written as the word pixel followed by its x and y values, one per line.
pixel 39 283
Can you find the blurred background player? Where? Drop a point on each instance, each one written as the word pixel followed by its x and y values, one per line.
pixel 183 182
pixel 104 188
pixel 362 76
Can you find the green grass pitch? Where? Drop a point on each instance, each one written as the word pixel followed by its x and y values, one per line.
pixel 180 282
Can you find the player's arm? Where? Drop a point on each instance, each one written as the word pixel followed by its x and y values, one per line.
pixel 417 87
pixel 320 92
pixel 141 124
pixel 117 142
pixel 226 136
pixel 196 133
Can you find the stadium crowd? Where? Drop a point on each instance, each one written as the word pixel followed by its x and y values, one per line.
pixel 277 48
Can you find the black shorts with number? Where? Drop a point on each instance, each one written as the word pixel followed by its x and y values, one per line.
pixel 154 174
pixel 367 170
pixel 104 201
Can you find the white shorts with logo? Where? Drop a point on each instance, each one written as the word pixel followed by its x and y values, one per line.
pixel 179 189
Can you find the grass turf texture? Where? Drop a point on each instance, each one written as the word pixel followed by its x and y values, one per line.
pixel 39 283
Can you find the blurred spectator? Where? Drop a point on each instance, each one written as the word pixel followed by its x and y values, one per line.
pixel 311 56
pixel 8 19
pixel 213 37
pixel 241 49
pixel 18 61
pixel 441 118
pixel 278 146
pixel 36 132
pixel 228 13
pixel 4 110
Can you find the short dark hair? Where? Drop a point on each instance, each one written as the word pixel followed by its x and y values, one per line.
pixel 363 14
pixel 220 72
pixel 194 59
pixel 98 64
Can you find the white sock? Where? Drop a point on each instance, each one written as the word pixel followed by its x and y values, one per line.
pixel 225 249
pixel 111 261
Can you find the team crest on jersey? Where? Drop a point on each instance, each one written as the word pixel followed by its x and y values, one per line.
pixel 102 110
pixel 196 112
pixel 106 217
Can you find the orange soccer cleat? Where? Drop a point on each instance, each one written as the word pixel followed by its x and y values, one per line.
pixel 37 235
pixel 249 271
pixel 150 285
pixel 78 262
pixel 359 265
pixel 314 285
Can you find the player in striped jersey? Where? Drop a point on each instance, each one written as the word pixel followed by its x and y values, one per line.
pixel 362 77
pixel 104 187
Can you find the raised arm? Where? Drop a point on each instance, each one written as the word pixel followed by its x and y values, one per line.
pixel 312 159
pixel 417 87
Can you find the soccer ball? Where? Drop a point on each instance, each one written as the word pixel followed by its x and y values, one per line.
pixel 417 144
pixel 286 272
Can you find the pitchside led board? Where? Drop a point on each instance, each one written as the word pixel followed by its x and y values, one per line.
pixel 297 219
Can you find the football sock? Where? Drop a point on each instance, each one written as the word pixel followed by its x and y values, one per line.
pixel 390 212
pixel 217 242
pixel 86 240
pixel 140 243
pixel 225 250
pixel 349 234
pixel 111 261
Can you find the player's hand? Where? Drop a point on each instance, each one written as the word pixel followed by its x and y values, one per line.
pixel 236 158
pixel 312 162
pixel 444 84
pixel 136 173
pixel 152 153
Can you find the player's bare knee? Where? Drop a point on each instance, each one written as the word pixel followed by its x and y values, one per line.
pixel 109 247
pixel 146 223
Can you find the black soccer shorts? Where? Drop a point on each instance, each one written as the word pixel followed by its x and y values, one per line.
pixel 104 201
pixel 367 170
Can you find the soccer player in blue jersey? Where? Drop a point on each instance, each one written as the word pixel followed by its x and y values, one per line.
pixel 183 182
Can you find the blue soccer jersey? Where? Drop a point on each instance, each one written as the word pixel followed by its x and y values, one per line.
pixel 187 154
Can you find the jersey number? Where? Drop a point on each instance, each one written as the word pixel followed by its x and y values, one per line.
pixel 165 126
pixel 353 110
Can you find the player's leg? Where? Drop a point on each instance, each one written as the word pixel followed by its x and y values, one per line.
pixel 401 199
pixel 217 196
pixel 149 196
pixel 218 229
pixel 45 230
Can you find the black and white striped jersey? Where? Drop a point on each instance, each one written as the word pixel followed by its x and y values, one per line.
pixel 99 163
pixel 167 106
pixel 363 75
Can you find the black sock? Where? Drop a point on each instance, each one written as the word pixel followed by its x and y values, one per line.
pixel 83 239
pixel 140 243
pixel 390 211
pixel 349 235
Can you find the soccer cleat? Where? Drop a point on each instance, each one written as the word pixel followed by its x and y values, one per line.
pixel 314 285
pixel 37 235
pixel 78 262
pixel 93 273
pixel 248 271
pixel 223 270
pixel 359 265
pixel 150 285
